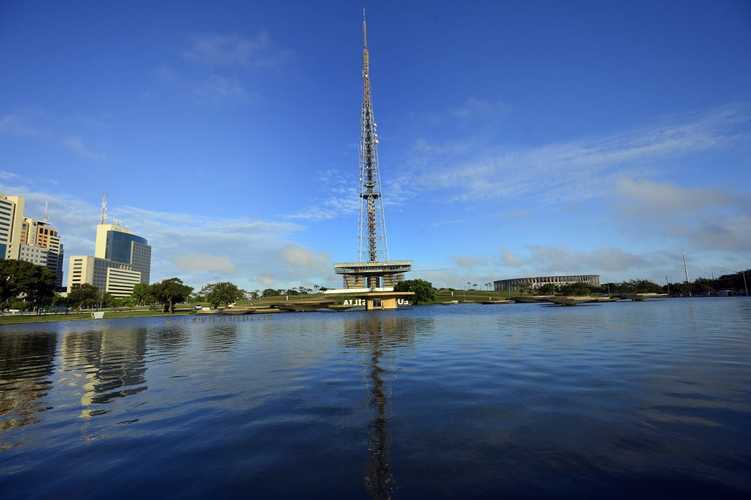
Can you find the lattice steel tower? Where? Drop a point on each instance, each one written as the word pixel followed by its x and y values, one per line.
pixel 372 222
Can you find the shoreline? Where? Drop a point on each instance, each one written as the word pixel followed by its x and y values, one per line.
pixel 11 320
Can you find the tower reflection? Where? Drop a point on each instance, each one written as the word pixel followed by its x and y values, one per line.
pixel 26 367
pixel 376 334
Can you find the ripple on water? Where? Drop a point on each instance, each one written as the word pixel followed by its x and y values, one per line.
pixel 615 400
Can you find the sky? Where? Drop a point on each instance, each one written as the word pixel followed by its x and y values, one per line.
pixel 516 138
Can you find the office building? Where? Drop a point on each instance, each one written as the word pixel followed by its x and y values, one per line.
pixel 41 245
pixel 11 222
pixel 118 244
pixel 116 278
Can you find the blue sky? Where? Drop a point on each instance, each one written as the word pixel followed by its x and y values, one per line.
pixel 517 138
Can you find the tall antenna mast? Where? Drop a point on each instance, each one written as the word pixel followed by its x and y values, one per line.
pixel 371 204
pixel 103 210
pixel 46 211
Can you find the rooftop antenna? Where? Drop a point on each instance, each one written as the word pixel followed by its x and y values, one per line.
pixel 103 211
pixel 46 211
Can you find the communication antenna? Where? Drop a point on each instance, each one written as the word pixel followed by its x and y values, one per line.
pixel 46 211
pixel 103 210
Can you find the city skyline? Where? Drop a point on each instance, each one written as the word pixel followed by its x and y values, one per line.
pixel 515 141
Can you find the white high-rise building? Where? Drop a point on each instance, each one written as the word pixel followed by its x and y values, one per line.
pixel 11 223
pixel 116 278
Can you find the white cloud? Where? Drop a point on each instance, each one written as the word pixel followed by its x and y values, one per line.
pixel 12 124
pixel 651 196
pixel 474 108
pixel 198 249
pixel 561 172
pixel 539 260
pixel 511 260
pixel 342 198
pixel 75 145
pixel 205 263
pixel 315 266
pixel 235 50
pixel 32 125
pixel 7 176
pixel 699 218
pixel 220 87
pixel 469 261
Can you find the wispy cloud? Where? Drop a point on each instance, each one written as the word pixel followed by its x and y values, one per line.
pixel 474 108
pixel 199 249
pixel 205 263
pixel 40 128
pixel 649 196
pixel 539 260
pixel 218 67
pixel 577 170
pixel 220 87
pixel 12 124
pixel 235 50
pixel 76 146
pixel 341 198
pixel 7 176
pixel 702 218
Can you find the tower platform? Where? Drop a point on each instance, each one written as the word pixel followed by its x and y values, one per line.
pixel 373 274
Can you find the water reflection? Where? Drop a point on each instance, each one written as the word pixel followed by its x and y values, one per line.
pixel 387 332
pixel 168 341
pixel 377 334
pixel 106 364
pixel 26 367
pixel 222 337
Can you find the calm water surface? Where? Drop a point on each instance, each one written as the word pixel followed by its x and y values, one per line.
pixel 650 399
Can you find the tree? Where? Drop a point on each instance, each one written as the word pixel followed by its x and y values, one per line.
pixel 170 292
pixel 548 289
pixel 142 294
pixel 423 290
pixel 575 289
pixel 223 294
pixel 20 279
pixel 40 289
pixel 83 296
pixel 269 292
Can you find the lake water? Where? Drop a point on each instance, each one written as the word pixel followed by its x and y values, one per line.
pixel 626 400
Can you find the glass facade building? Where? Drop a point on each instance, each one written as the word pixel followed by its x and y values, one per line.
pixel 128 248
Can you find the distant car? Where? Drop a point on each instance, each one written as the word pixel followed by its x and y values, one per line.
pixel 197 308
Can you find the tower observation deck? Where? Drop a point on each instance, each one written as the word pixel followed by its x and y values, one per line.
pixel 374 270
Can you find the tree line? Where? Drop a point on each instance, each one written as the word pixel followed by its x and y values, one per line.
pixel 26 286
